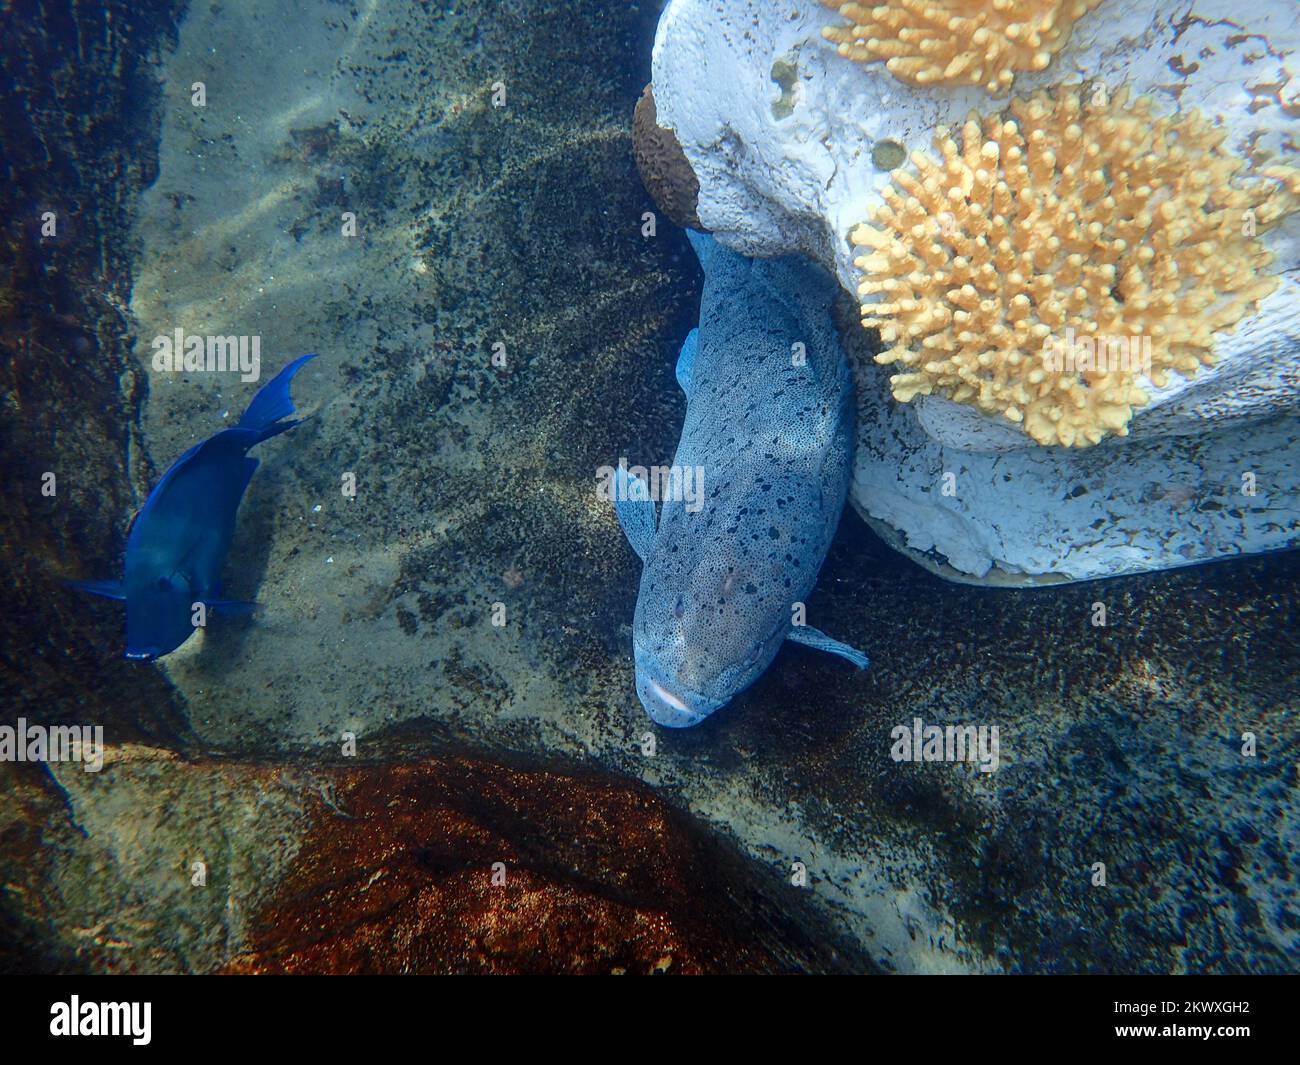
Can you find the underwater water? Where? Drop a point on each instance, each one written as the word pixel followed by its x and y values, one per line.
pixel 425 750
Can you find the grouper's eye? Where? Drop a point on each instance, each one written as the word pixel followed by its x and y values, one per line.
pixel 679 608
pixel 756 652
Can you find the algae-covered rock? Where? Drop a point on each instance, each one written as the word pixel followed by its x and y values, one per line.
pixel 464 617
pixel 156 864
pixel 80 143
pixel 804 162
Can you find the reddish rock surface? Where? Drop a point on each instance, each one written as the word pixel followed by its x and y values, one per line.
pixel 396 875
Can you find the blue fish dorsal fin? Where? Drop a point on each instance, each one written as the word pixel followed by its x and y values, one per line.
pixel 815 638
pixel 273 401
pixel 108 589
pixel 246 471
pixel 635 510
pixel 686 360
pixel 231 607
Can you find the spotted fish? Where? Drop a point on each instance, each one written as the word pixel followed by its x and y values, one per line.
pixel 768 437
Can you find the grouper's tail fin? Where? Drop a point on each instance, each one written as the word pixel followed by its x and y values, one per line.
pixel 273 402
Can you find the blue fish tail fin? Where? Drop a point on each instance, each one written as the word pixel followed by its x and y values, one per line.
pixel 273 402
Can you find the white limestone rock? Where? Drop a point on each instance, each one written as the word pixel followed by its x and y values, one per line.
pixel 781 131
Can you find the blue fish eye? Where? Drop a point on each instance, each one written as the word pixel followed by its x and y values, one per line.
pixel 679 608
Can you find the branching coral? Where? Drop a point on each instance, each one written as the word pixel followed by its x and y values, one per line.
pixel 957 42
pixel 1071 219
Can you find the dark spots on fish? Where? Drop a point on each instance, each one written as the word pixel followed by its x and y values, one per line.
pixel 773 533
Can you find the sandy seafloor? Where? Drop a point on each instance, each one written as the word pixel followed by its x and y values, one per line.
pixel 475 486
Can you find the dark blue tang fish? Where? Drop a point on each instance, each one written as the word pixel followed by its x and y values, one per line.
pixel 179 540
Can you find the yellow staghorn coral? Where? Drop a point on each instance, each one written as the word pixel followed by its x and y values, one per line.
pixel 1040 269
pixel 957 42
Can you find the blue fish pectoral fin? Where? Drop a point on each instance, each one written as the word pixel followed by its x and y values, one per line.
pixel 108 589
pixel 686 360
pixel 635 510
pixel 232 607
pixel 273 401
pixel 810 637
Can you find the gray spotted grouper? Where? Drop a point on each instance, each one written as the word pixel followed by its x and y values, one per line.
pixel 179 541
pixel 767 445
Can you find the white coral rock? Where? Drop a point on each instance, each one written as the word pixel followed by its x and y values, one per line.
pixel 781 131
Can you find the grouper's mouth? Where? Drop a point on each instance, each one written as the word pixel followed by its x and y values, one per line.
pixel 668 696
pixel 674 706
pixel 670 708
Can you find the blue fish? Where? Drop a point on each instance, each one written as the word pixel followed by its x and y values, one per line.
pixel 770 428
pixel 180 538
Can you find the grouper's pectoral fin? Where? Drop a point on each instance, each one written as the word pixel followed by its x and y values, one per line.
pixel 635 510
pixel 108 589
pixel 686 360
pixel 810 637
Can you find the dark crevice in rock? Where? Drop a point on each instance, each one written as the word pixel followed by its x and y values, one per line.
pixel 79 121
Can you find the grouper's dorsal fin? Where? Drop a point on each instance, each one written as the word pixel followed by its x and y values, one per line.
pixel 810 637
pixel 635 510
pixel 686 360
